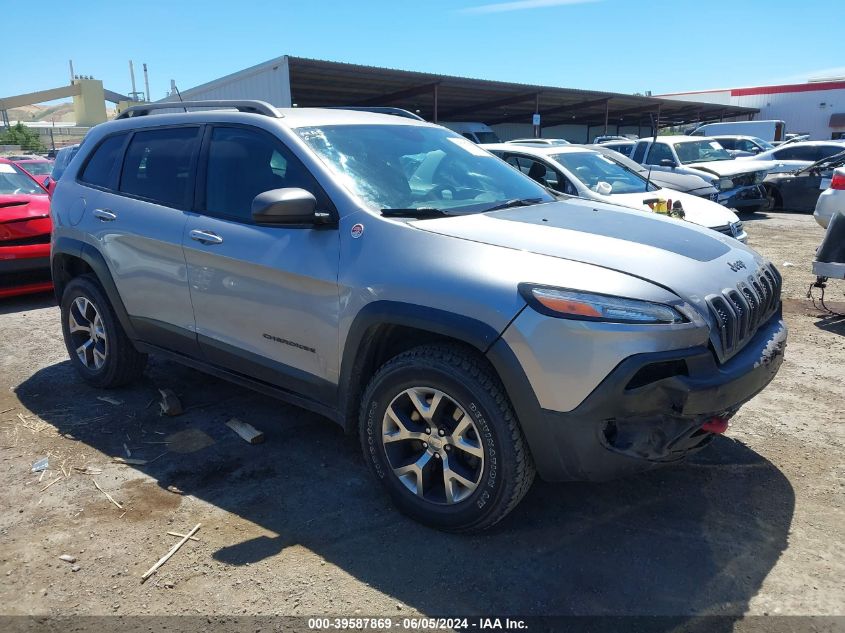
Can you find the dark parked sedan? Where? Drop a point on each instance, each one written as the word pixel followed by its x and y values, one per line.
pixel 800 189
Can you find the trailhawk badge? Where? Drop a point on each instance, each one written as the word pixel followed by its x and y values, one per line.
pixel 734 266
pixel 357 231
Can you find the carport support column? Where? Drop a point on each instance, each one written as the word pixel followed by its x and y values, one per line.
pixel 606 115
pixel 436 86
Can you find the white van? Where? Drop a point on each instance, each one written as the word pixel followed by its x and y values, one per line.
pixel 474 131
pixel 766 130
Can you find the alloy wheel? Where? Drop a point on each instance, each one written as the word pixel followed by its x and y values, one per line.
pixel 87 333
pixel 433 445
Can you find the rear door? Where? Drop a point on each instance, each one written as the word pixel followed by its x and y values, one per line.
pixel 265 298
pixel 136 210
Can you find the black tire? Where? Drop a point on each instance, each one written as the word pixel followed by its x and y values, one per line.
pixel 507 470
pixel 775 200
pixel 122 363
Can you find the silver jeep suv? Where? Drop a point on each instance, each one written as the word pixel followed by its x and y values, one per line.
pixel 470 327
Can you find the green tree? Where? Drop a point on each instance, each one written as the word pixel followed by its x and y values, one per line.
pixel 21 135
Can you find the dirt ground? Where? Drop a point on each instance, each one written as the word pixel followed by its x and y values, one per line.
pixel 753 525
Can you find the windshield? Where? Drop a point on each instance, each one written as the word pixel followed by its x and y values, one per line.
pixel 415 167
pixel 38 168
pixel 487 137
pixel 591 168
pixel 764 144
pixel 701 152
pixel 614 155
pixel 14 181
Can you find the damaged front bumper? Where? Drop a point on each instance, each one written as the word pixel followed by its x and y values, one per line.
pixel 747 198
pixel 651 409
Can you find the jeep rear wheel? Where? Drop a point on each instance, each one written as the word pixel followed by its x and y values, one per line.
pixel 98 347
pixel 438 431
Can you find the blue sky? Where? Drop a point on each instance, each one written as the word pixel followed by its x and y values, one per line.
pixel 615 45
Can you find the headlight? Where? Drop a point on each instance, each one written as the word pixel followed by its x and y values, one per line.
pixel 587 306
pixel 759 176
pixel 724 183
pixel 736 229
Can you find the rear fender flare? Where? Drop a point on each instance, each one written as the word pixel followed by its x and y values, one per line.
pixel 95 260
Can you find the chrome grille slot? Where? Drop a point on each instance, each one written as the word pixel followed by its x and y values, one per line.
pixel 740 311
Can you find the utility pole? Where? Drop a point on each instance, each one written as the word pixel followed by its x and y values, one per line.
pixel 134 94
pixel 147 84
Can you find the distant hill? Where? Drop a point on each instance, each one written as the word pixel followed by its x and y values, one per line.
pixel 61 112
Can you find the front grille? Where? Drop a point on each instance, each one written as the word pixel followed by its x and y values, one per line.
pixel 24 278
pixel 27 241
pixel 743 180
pixel 726 229
pixel 740 311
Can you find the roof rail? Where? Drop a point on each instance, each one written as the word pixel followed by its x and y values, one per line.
pixel 241 105
pixel 381 110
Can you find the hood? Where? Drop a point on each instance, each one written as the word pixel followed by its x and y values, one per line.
pixel 728 168
pixel 690 261
pixel 677 181
pixel 697 210
pixel 14 208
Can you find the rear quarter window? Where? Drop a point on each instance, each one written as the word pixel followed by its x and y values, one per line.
pixel 102 165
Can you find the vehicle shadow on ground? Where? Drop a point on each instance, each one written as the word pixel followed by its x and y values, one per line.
pixel 834 323
pixel 698 538
pixel 24 303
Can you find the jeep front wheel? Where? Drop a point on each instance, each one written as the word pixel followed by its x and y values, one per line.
pixel 438 431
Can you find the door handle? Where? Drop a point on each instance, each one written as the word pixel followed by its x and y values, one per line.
pixel 104 215
pixel 206 237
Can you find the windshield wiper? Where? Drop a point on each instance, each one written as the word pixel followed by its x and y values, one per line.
pixel 414 212
pixel 514 202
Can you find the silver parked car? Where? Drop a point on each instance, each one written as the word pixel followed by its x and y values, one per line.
pixel 467 325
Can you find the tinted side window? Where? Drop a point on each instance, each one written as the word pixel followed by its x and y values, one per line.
pixel 158 165
pixel 729 143
pixel 826 151
pixel 639 153
pixel 659 151
pixel 100 166
pixel 796 153
pixel 243 163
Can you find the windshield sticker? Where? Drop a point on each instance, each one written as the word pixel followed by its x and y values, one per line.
pixel 468 145
pixel 7 169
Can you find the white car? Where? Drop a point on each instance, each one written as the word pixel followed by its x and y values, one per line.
pixel 797 155
pixel 739 182
pixel 832 199
pixel 586 173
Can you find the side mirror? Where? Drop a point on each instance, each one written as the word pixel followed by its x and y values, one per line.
pixel 47 182
pixel 284 207
pixel 668 162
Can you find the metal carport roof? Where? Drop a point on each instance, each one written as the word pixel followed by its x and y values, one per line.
pixel 443 97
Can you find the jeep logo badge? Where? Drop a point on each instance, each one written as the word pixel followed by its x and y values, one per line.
pixel 736 266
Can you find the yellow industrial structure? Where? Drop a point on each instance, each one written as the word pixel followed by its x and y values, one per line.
pixel 89 100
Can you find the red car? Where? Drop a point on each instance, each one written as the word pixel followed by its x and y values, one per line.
pixel 38 168
pixel 25 227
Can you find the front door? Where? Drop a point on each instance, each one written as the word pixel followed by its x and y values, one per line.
pixel 265 298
